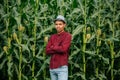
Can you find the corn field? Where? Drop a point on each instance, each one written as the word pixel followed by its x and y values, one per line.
pixel 26 25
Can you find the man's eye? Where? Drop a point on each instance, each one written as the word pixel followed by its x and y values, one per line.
pixel 60 24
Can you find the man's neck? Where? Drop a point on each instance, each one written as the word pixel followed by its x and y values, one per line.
pixel 60 31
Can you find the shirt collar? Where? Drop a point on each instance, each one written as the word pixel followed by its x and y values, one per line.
pixel 61 33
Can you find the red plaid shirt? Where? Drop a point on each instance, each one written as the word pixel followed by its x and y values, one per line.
pixel 58 48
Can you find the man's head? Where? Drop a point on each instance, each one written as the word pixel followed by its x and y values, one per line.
pixel 60 23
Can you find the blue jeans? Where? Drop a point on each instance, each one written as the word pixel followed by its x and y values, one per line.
pixel 60 73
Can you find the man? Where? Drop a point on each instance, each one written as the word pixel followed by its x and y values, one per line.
pixel 58 47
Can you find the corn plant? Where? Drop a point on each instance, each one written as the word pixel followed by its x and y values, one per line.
pixel 9 58
pixel 34 35
pixel 84 39
pixel 112 52
pixel 98 34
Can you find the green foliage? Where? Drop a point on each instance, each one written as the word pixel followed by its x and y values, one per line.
pixel 95 29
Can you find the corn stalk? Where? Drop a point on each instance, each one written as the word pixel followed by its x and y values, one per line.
pixel 7 48
pixel 98 42
pixel 84 40
pixel 19 41
pixel 20 63
pixel 33 51
pixel 112 43
pixel 34 35
pixel 9 58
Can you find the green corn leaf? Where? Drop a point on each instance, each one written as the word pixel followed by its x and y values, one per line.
pixel 3 63
pixel 77 30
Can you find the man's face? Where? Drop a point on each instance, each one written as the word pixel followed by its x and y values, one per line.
pixel 59 25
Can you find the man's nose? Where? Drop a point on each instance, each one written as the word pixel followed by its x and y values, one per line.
pixel 58 25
